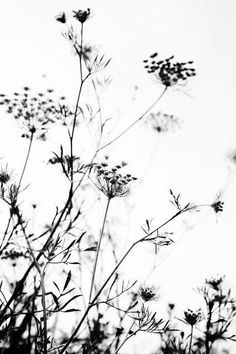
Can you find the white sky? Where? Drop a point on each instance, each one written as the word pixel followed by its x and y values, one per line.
pixel 193 160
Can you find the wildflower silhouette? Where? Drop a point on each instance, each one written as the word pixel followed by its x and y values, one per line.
pixel 82 15
pixel 34 300
pixel 61 18
pixel 148 293
pixel 35 112
pixel 111 182
pixel 168 72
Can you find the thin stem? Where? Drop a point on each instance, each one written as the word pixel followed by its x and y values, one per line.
pixel 190 341
pixel 5 232
pixel 44 314
pixel 26 162
pixel 76 329
pixel 20 283
pixel 42 274
pixel 19 184
pixel 92 303
pixel 98 249
pixel 127 337
pixel 71 136
pixel 135 122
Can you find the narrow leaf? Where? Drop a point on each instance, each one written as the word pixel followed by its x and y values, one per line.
pixel 67 280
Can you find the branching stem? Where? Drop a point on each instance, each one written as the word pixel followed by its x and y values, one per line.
pixel 93 302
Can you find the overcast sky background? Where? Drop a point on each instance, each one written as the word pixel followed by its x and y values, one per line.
pixel 192 161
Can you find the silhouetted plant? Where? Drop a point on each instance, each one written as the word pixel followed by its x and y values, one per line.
pixel 215 322
pixel 51 259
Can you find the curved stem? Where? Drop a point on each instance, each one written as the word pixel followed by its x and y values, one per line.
pixel 98 249
pixel 135 122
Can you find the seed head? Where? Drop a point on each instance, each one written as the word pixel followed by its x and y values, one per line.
pixel 148 293
pixel 217 206
pixel 111 182
pixel 5 176
pixel 166 71
pixel 215 283
pixel 35 111
pixel 82 15
pixel 192 317
pixel 61 18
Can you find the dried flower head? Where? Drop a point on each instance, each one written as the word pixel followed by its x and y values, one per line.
pixel 193 317
pixel 5 175
pixel 215 282
pixel 217 206
pixel 111 182
pixel 162 122
pixel 232 156
pixel 166 71
pixel 35 111
pixel 82 15
pixel 148 293
pixel 61 17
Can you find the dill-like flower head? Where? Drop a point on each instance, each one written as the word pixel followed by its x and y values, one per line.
pixel 111 182
pixel 35 111
pixel 148 293
pixel 82 15
pixel 215 282
pixel 162 122
pixel 193 317
pixel 217 206
pixel 168 72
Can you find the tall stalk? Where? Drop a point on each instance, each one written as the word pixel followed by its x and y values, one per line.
pixel 93 301
pixel 190 340
pixel 26 161
pixel 98 248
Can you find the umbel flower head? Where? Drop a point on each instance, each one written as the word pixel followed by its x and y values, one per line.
pixel 193 317
pixel 34 111
pixel 215 282
pixel 111 182
pixel 82 15
pixel 162 122
pixel 168 72
pixel 148 293
pixel 217 206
